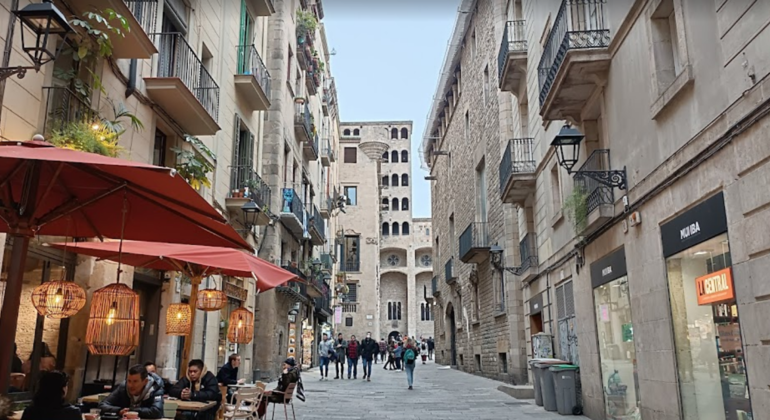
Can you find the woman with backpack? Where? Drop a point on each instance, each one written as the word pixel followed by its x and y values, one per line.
pixel 410 356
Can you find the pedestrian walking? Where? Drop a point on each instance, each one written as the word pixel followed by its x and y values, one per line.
pixel 325 352
pixel 398 352
pixel 424 351
pixel 353 354
pixel 369 351
pixel 431 347
pixel 391 359
pixel 383 350
pixel 410 357
pixel 341 347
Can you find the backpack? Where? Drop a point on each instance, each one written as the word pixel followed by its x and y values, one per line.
pixel 409 355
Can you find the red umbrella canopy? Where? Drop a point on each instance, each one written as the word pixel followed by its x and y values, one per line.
pixel 53 191
pixel 193 260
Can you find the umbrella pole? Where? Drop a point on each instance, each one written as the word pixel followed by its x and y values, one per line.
pixel 10 313
pixel 195 282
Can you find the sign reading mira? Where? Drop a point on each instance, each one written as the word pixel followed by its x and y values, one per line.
pixel 715 287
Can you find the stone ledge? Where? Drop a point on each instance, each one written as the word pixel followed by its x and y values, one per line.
pixel 520 392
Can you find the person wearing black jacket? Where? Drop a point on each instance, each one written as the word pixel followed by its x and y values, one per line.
pixel 141 392
pixel 199 385
pixel 289 375
pixel 369 349
pixel 48 402
pixel 228 374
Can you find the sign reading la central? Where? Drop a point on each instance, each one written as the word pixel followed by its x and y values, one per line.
pixel 715 287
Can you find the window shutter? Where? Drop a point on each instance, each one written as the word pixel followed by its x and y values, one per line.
pixel 351 155
pixel 235 174
pixel 352 292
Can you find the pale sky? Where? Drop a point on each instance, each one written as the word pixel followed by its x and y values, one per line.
pixel 389 57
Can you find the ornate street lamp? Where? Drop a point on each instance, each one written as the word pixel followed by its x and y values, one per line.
pixel 250 213
pixel 567 144
pixel 46 22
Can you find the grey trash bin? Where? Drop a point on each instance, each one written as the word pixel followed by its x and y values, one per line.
pixel 566 392
pixel 547 389
pixel 537 376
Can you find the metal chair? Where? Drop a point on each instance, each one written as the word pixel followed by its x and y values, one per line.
pixel 287 400
pixel 240 410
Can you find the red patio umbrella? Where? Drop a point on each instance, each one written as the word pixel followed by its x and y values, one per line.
pixel 50 191
pixel 194 261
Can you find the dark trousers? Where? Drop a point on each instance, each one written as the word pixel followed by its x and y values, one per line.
pixel 339 367
pixel 398 363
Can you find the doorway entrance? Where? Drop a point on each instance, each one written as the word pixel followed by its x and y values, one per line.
pixel 452 331
pixel 148 286
pixel 393 336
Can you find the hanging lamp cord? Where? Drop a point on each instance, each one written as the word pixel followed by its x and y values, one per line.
pixel 122 233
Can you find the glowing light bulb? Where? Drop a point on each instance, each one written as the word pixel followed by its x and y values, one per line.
pixel 178 315
pixel 111 314
pixel 208 295
pixel 59 296
pixel 240 322
pixel 95 126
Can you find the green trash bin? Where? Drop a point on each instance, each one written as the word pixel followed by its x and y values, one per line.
pixel 564 378
pixel 547 390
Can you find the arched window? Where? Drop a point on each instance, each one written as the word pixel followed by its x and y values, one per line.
pixel 404 133
pixel 395 228
pixel 404 203
pixel 405 228
pixel 385 181
pixel 404 180
pixel 395 180
pixel 385 229
pixel 394 133
pixel 395 207
pixel 356 132
pixel 385 157
pixel 394 157
pixel 404 156
pixel 346 132
pixel 385 204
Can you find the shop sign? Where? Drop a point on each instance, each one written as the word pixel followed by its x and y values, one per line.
pixel 536 304
pixel 701 223
pixel 235 292
pixel 291 351
pixel 715 287
pixel 608 268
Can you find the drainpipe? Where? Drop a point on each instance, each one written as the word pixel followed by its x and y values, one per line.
pixel 8 48
pixel 131 85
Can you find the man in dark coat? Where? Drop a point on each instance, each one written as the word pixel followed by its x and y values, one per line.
pixel 199 385
pixel 228 374
pixel 369 350
pixel 141 392
pixel 289 375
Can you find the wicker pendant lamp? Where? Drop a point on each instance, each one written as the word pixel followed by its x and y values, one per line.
pixel 113 326
pixel 241 327
pixel 58 299
pixel 178 317
pixel 211 300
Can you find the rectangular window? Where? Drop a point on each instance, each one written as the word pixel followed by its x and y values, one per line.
pixel 351 196
pixel 555 190
pixel 352 292
pixel 473 45
pixel 351 155
pixel 477 358
pixel 481 193
pixel 667 57
pixel 351 254
pixel 349 321
pixel 467 126
pixel 159 149
pixel 476 303
pixel 486 84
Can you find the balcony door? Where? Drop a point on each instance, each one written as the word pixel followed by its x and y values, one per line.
pixel 243 155
pixel 246 39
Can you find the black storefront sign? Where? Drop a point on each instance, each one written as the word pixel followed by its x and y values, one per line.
pixel 608 268
pixel 536 304
pixel 701 223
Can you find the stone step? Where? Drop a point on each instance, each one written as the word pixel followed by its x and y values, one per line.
pixel 520 392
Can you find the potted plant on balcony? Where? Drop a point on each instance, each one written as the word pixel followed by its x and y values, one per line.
pixel 192 165
pixel 299 100
pixel 306 25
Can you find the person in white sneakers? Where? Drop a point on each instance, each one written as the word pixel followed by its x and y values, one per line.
pixel 325 351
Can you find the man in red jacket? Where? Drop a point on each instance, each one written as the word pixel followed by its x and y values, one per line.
pixel 353 355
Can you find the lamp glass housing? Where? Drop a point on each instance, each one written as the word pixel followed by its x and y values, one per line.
pixel 567 144
pixel 250 212
pixel 43 20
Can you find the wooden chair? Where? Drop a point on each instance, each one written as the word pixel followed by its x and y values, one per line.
pixel 221 411
pixel 287 400
pixel 240 410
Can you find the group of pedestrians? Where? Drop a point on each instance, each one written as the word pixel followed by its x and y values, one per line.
pixel 400 355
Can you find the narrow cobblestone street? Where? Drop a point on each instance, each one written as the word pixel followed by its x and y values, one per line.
pixel 439 393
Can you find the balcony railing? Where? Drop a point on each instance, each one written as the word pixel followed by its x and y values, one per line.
pixel 326 262
pixel 473 241
pixel 178 60
pixel 318 222
pixel 292 203
pixel 244 176
pixel 528 251
pixel 145 12
pixel 303 120
pixel 249 62
pixel 63 107
pixel 328 151
pixel 449 274
pixel 434 286
pixel 597 193
pixel 519 157
pixel 514 40
pixel 353 266
pixel 579 24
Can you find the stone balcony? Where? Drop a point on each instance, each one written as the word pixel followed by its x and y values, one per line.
pixel 512 58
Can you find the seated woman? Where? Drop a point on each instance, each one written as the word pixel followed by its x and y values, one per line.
pixel 290 375
pixel 48 402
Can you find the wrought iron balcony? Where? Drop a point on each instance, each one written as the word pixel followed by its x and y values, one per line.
pixel 245 185
pixel 310 148
pixel 303 122
pixel 449 272
pixel 350 265
pixel 323 304
pixel 575 48
pixel 252 79
pixel 327 153
pixel 512 58
pixel 183 87
pixel 317 227
pixel 517 171
pixel 292 212
pixel 326 263
pixel 474 243
pixel 63 107
pixel 599 198
pixel 435 291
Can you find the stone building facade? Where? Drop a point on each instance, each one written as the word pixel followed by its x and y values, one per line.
pixel 241 109
pixel 387 274
pixel 650 280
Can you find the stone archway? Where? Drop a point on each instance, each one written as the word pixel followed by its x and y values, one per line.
pixel 393 336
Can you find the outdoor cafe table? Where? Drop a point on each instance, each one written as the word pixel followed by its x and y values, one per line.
pixel 17 416
pixel 182 404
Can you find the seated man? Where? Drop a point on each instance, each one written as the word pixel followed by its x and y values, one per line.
pixel 289 375
pixel 228 374
pixel 151 368
pixel 141 392
pixel 199 385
